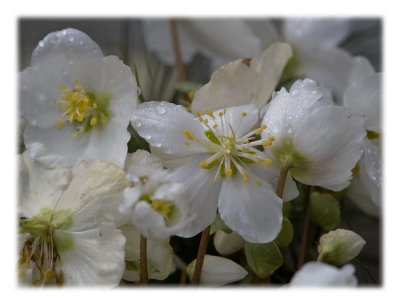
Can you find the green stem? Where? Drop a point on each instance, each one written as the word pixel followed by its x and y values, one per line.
pixel 305 235
pixel 177 51
pixel 143 274
pixel 281 181
pixel 205 235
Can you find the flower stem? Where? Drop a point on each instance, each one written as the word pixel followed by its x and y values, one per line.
pixel 144 277
pixel 177 51
pixel 281 181
pixel 305 235
pixel 205 235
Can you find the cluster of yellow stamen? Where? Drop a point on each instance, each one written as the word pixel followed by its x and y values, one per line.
pixel 163 207
pixel 229 152
pixel 80 108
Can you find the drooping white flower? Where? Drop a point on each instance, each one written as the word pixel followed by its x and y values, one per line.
pixel 155 204
pixel 363 97
pixel 159 256
pixel 218 271
pixel 67 236
pixel 318 141
pixel 76 103
pixel 316 274
pixel 220 157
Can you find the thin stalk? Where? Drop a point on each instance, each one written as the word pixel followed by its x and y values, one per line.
pixel 281 181
pixel 177 51
pixel 305 235
pixel 205 235
pixel 144 277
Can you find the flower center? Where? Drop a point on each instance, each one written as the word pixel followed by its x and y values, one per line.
pixel 230 153
pixel 164 207
pixel 47 238
pixel 82 109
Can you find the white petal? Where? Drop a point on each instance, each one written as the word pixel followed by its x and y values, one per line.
pixel 331 67
pixel 159 255
pixel 157 36
pixel 321 32
pixel 218 271
pixel 265 30
pixel 162 125
pixel 361 68
pixel 39 186
pixel 97 257
pixel 244 81
pixel 359 195
pixel 96 186
pixel 69 42
pixel 227 244
pixel 371 171
pixel 320 274
pixel 144 158
pixel 203 194
pixel 364 98
pixel 149 222
pixel 228 39
pixel 253 211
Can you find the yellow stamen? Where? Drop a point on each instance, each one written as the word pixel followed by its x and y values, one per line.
pixel 93 121
pixel 203 164
pixel 210 113
pixel 74 135
pixel 187 133
pixel 271 138
pixel 229 172
pixel 245 178
pixel 186 143
pixel 244 114
pixel 258 183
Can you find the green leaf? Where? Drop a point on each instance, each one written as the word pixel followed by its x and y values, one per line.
pixel 219 224
pixel 263 259
pixel 187 87
pixel 324 211
pixel 285 237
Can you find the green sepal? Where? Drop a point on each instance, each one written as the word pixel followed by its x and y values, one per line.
pixel 324 211
pixel 219 224
pixel 285 236
pixel 263 259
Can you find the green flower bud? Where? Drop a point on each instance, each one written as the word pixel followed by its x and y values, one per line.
pixel 339 247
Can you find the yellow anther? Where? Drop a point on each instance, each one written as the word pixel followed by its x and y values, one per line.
pixel 77 87
pixel 59 103
pixel 215 126
pixel 161 206
pixel 203 164
pixel 245 178
pixel 212 180
pixel 271 138
pixel 224 110
pixel 266 143
pixel 229 172
pixel 76 80
pixel 210 113
pixel 198 114
pixel 93 121
pixel 263 127
pixel 206 121
pixel 62 87
pixel 186 143
pixel 244 114
pixel 258 183
pixel 74 135
pixel 221 114
pixel 187 133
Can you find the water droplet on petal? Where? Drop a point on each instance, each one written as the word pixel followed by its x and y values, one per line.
pixel 147 137
pixel 161 110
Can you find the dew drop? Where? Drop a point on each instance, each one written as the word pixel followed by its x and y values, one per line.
pixel 158 144
pixel 161 110
pixel 138 124
pixel 147 137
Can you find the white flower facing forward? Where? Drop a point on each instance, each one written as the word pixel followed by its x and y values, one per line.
pixel 76 103
pixel 220 149
pixel 155 204
pixel 315 274
pixel 317 141
pixel 363 97
pixel 159 256
pixel 65 236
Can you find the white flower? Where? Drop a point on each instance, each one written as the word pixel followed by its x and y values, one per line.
pixel 218 271
pixel 319 274
pixel 218 149
pixel 75 102
pixel 319 142
pixel 314 42
pixel 156 205
pixel 66 233
pixel 363 97
pixel 159 256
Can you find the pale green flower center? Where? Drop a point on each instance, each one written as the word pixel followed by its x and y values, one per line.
pixel 229 153
pixel 48 236
pixel 82 109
